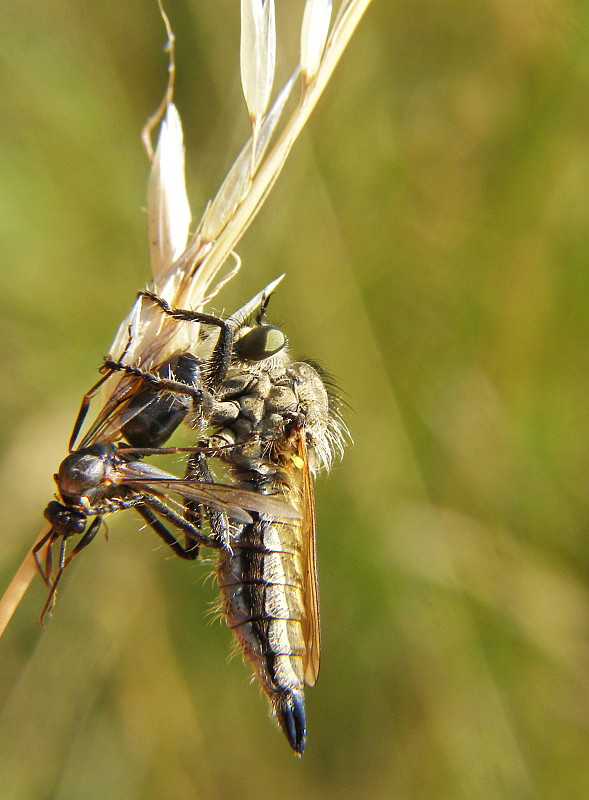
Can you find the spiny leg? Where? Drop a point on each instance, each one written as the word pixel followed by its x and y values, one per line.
pixel 218 364
pixel 190 552
pixel 199 470
pixel 152 378
pixel 190 530
pixel 224 347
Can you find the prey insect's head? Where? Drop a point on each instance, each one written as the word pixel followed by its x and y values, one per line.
pixel 82 479
pixel 84 475
pixel 65 520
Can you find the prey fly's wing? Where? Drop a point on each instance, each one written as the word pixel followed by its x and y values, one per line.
pixel 234 501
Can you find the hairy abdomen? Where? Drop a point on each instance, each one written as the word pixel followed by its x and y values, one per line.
pixel 263 603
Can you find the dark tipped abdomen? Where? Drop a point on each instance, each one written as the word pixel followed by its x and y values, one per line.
pixel 263 604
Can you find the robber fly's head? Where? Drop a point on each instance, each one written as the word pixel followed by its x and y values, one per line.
pixel 259 341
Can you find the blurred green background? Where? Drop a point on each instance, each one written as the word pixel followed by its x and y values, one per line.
pixel 433 223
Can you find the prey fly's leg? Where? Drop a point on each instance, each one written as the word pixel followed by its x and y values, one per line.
pixel 86 400
pixel 63 563
pixel 48 564
pixel 50 602
pixel 46 570
pixel 190 531
pixel 86 539
pixel 189 552
pixel 198 469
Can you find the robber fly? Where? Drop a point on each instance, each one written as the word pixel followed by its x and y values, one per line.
pixel 275 423
pixel 100 477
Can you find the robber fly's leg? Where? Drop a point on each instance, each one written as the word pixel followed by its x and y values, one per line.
pixel 45 571
pixel 190 552
pixel 198 469
pixel 193 510
pixel 164 384
pixel 86 400
pixel 188 529
pixel 224 347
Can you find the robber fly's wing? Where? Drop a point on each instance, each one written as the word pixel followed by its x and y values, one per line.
pixel 234 501
pixel 311 626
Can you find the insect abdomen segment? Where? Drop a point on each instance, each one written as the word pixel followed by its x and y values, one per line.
pixel 264 606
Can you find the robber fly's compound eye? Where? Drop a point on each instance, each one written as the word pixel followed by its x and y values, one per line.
pixel 261 342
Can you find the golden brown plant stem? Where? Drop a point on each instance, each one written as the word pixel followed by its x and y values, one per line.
pixel 19 584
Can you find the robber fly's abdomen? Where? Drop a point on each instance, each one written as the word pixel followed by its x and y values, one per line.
pixel 263 604
pixel 272 419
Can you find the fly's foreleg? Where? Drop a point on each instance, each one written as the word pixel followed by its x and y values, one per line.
pixel 192 532
pixel 189 552
pixel 153 379
pixel 62 562
pixel 224 347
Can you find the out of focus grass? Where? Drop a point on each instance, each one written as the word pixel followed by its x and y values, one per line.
pixel 434 227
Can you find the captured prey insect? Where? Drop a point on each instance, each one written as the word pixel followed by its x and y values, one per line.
pixel 101 477
pixel 275 423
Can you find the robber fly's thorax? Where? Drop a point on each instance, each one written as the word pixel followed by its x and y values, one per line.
pixel 258 404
